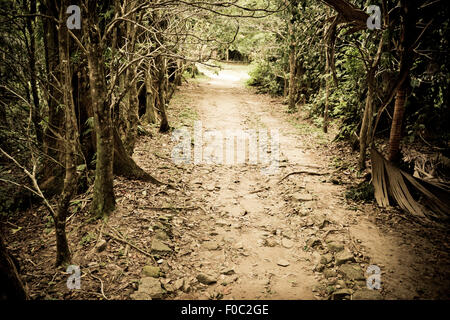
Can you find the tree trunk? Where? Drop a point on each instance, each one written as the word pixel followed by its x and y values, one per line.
pixel 132 112
pixel 325 112
pixel 12 287
pixel 63 255
pixel 396 127
pixel 103 201
pixel 162 91
pixel 292 70
pixel 292 56
pixel 407 38
pixel 125 166
pixel 35 118
pixel 150 112
pixel 52 143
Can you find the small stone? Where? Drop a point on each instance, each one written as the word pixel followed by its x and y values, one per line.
pixel 151 271
pixel 326 258
pixel 287 243
pixel 186 287
pixel 140 296
pixel 366 294
pixel 343 257
pixel 152 287
pixel 211 245
pixel 313 242
pixel 335 247
pixel 101 245
pixel 159 247
pixel 227 271
pixel 319 267
pixel 329 273
pixel 205 279
pixel 342 294
pixel 178 284
pixel 161 235
pixel 351 272
pixel 320 221
pixel 270 242
pixel 283 263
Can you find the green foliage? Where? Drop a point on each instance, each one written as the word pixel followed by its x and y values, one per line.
pixel 362 192
pixel 264 78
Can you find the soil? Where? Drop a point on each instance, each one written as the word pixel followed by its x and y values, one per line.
pixel 250 233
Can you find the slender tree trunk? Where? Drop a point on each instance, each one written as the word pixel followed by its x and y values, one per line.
pixel 63 255
pixel 162 91
pixel 407 38
pixel 325 112
pixel 364 132
pixel 292 70
pixel 103 201
pixel 396 127
pixel 35 118
pixel 150 112
pixel 52 144
pixel 292 56
pixel 132 112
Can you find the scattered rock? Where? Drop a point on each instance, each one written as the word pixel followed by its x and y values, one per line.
pixel 101 245
pixel 320 221
pixel 351 272
pixel 211 245
pixel 151 287
pixel 335 247
pixel 159 247
pixel 343 257
pixel 366 294
pixel 161 235
pixel 269 242
pixel 205 279
pixel 341 294
pixel 151 271
pixel 227 271
pixel 283 263
pixel 326 258
pixel 313 242
pixel 178 284
pixel 285 242
pixel 319 267
pixel 140 296
pixel 329 273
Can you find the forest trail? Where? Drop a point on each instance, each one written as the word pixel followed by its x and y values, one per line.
pixel 257 237
pixel 236 231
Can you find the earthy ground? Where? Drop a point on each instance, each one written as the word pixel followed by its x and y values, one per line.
pixel 237 231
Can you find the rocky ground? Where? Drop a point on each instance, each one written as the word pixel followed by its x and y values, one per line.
pixel 236 231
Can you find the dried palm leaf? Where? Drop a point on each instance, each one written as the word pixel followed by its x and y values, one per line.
pixel 389 180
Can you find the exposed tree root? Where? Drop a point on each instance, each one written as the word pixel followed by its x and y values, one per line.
pixel 126 167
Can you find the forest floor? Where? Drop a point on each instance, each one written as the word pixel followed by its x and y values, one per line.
pixel 237 231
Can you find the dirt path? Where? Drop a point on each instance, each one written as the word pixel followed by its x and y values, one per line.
pixel 259 238
pixel 236 231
